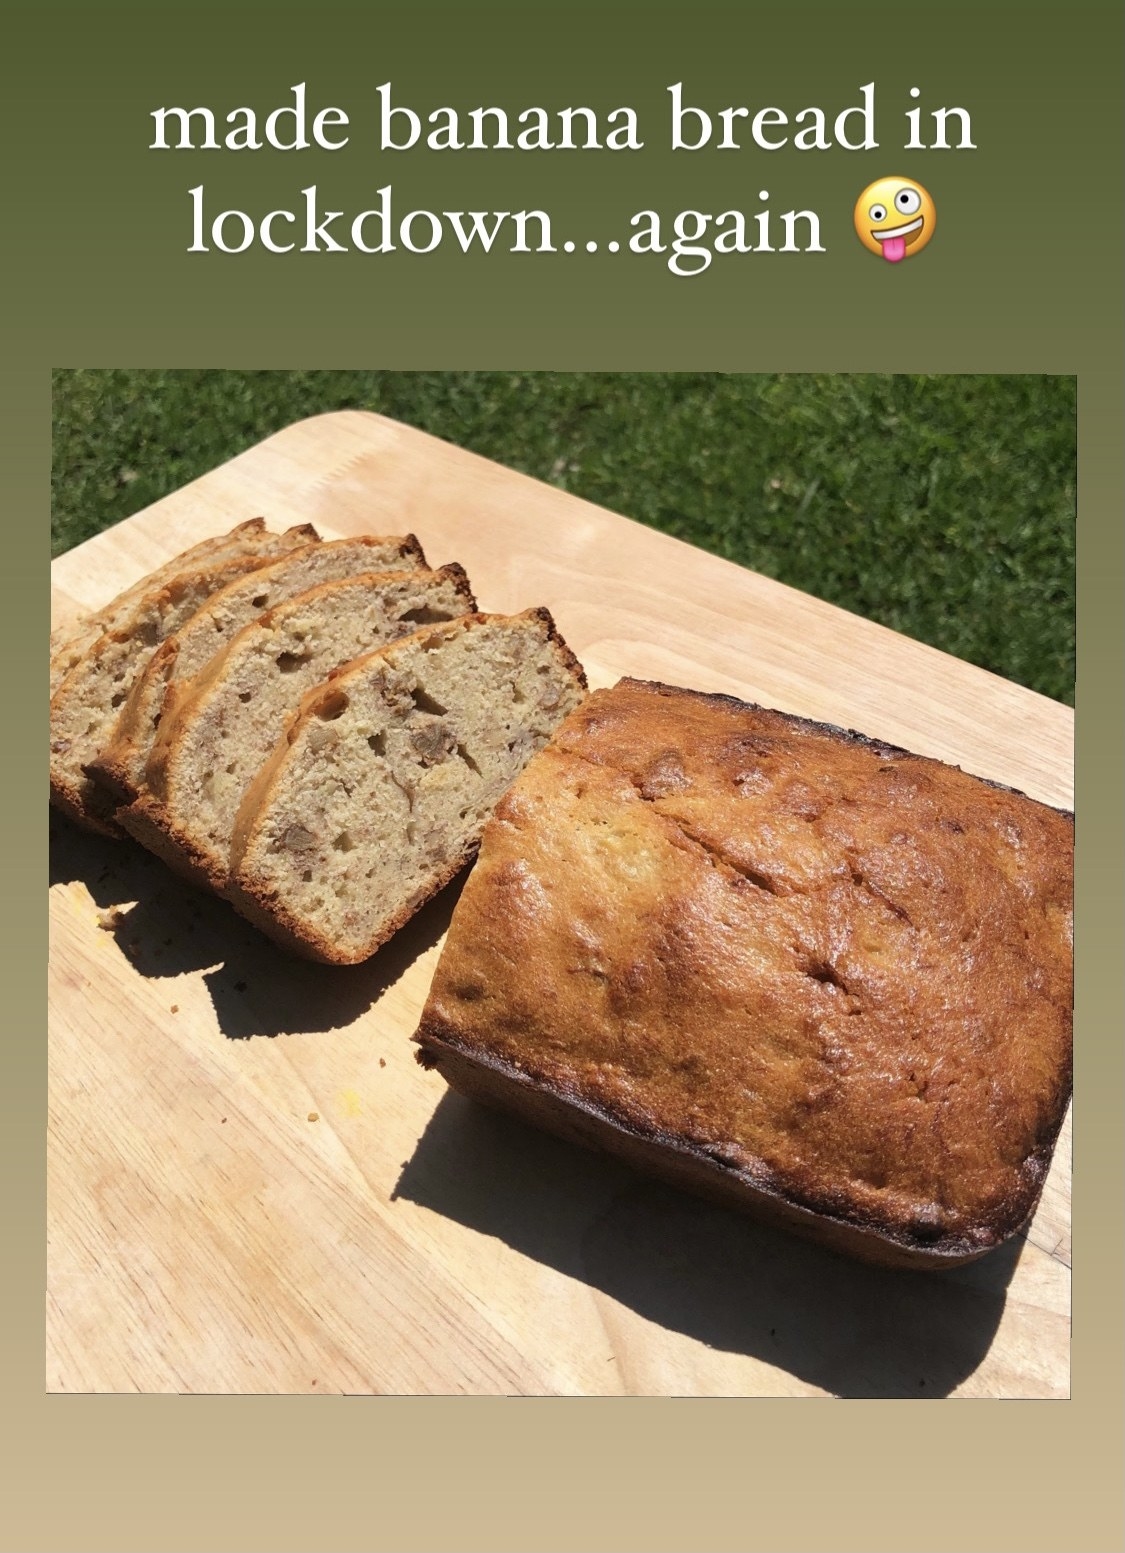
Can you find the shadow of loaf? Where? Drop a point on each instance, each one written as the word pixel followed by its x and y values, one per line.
pixel 715 1275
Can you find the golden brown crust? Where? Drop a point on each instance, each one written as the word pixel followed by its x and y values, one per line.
pixel 823 976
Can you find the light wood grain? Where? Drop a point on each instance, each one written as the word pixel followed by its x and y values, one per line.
pixel 206 1235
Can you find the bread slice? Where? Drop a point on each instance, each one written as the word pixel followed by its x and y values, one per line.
pixel 377 794
pixel 209 749
pixel 71 642
pixel 86 704
pixel 806 973
pixel 121 765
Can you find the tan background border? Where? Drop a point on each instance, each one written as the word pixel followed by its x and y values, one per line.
pixel 95 282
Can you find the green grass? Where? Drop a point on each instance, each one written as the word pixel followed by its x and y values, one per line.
pixel 943 507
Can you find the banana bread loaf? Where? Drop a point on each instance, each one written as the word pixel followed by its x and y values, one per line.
pixel 802 971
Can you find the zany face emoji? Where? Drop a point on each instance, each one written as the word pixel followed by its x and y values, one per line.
pixel 895 217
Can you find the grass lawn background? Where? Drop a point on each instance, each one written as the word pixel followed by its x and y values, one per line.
pixel 943 507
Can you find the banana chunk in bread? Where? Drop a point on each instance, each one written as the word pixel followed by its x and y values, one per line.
pixel 211 746
pixel 89 698
pixel 809 974
pixel 71 642
pixel 121 766
pixel 378 793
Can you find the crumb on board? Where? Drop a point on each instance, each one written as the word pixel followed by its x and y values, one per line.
pixel 314 1116
pixel 382 1062
pixel 175 1008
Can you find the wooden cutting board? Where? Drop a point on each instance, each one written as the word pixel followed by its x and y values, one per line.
pixel 252 1185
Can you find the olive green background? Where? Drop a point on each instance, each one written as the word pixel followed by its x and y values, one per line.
pixel 1023 275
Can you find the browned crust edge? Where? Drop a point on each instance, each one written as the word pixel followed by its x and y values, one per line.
pixel 147 822
pixel 459 577
pixel 483 1077
pixel 411 545
pixel 554 636
pixel 272 917
pixel 304 530
pixel 64 799
pixel 834 730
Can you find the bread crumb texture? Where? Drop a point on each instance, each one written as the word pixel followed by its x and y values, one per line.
pixel 207 753
pixel 838 969
pixel 390 772
pixel 189 649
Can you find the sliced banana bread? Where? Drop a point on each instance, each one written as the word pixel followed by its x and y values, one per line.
pixel 121 766
pixel 85 706
pixel 211 745
pixel 71 642
pixel 377 794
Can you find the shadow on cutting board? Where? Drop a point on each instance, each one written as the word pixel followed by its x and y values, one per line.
pixel 680 1262
pixel 706 1271
pixel 166 928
